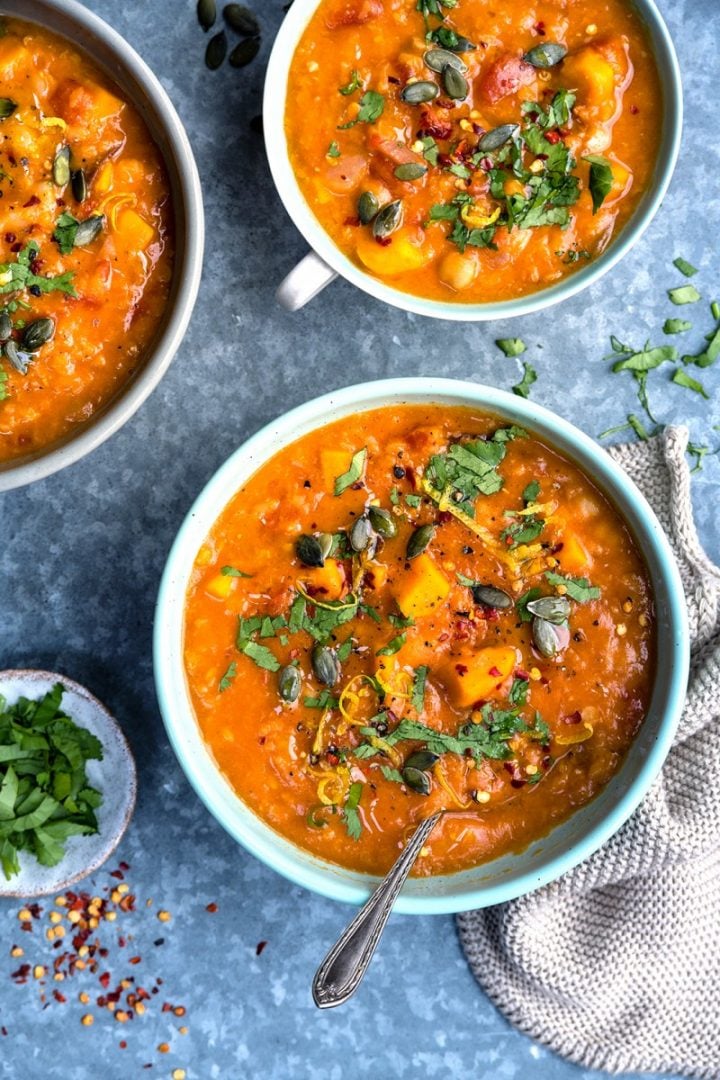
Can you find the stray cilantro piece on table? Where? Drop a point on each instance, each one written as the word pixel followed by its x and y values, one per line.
pixel 522 389
pixel 715 310
pixel 227 679
pixel 684 294
pixel 676 326
pixel 709 356
pixel 638 427
pixel 354 473
pixel 45 796
pixel 647 359
pixel 578 589
pixel 513 346
pixel 350 811
pixel 685 267
pixel 681 378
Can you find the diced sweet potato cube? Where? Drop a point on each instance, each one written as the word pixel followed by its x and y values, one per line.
pixel 104 104
pixel 574 555
pixel 329 578
pixel 135 233
pixel 15 60
pixel 406 251
pixel 220 586
pixel 421 588
pixel 588 72
pixel 477 676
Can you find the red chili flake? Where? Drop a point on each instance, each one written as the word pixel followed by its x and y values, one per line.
pixel 117 874
pixel 544 681
pixel 59 997
pixel 522 674
pixel 444 160
pixel 393 80
pixel 35 910
pixel 444 636
pixel 354 221
pixel 478 128
pixel 22 972
pixel 490 614
pixel 383 241
pixel 495 672
pixel 461 669
pixel 10 237
pixel 3 1031
pixel 552 137
pixel 127 903
pixel 32 201
pixel 135 959
pixel 104 980
pixel 122 942
pixel 167 1007
pixel 27 927
pixel 333 759
pixel 259 947
pixel 634 110
pixel 539 28
pixel 573 718
pixel 444 516
pixel 122 1044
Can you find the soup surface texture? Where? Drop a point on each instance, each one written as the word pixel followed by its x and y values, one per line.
pixel 473 151
pixel 85 239
pixel 414 609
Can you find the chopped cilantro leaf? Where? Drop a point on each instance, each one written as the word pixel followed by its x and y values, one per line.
pixel 227 679
pixel 511 346
pixel 417 698
pixel 676 326
pixel 684 294
pixel 232 571
pixel 354 473
pixel 393 646
pixel 522 389
pixel 353 823
pixel 578 589
pixel 683 379
pixel 685 267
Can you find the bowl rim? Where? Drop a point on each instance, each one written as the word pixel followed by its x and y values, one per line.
pixel 320 242
pixel 186 271
pixel 271 848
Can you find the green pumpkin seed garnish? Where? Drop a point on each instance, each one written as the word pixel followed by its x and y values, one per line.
pixel 438 60
pixel 61 167
pixel 419 93
pixel 7 107
pixel 241 20
pixel 5 327
pixel 455 83
pixel 460 44
pixel 206 13
pixel 497 137
pixel 419 541
pixel 244 53
pixel 382 522
pixel 417 780
pixel 309 550
pixel 289 683
pixel 411 170
pixel 325 665
pixel 545 637
pixel 326 542
pixel 422 760
pixel 553 609
pixel 388 220
pixel 37 333
pixel 361 534
pixel 216 50
pixel 546 55
pixel 18 360
pixel 78 181
pixel 89 230
pixel 368 207
pixel 489 596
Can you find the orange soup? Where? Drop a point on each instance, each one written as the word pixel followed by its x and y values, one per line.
pixel 85 239
pixel 473 151
pixel 418 608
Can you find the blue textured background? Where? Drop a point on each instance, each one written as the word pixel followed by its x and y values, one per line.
pixel 81 555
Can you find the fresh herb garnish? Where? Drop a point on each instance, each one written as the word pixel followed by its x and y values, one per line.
pixel 578 589
pixel 372 106
pixel 468 469
pixel 512 346
pixel 66 228
pixel 683 379
pixel 227 679
pixel 354 473
pixel 333 150
pixel 522 389
pixel 417 698
pixel 19 275
pixel 519 692
pixel 676 326
pixel 523 530
pixel 45 796
pixel 327 616
pixel 685 267
pixel 245 642
pixel 487 739
pixel 684 294
pixel 353 85
pixel 531 492
pixel 232 571
pixel 350 811
pixel 601 179
pixel 521 604
pixel 647 359
pixel 391 774
pixel 393 646
pixel 324 700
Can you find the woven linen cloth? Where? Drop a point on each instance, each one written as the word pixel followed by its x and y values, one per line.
pixel 616 965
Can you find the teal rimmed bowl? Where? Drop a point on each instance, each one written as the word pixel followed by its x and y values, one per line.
pixel 326 261
pixel 506 877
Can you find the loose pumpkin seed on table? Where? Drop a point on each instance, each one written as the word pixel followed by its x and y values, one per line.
pixel 206 13
pixel 244 53
pixel 216 50
pixel 241 19
pixel 389 667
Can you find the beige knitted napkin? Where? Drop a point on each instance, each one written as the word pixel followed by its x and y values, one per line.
pixel 616 966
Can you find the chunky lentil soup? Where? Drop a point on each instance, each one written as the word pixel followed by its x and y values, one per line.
pixel 473 150
pixel 414 609
pixel 85 239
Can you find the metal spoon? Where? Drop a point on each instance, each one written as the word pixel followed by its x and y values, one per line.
pixel 342 970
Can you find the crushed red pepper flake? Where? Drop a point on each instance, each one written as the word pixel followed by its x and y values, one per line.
pixel 212 908
pixel 259 947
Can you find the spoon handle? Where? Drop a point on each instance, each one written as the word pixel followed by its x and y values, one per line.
pixel 341 972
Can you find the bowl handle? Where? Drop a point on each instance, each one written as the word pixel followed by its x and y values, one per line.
pixel 304 282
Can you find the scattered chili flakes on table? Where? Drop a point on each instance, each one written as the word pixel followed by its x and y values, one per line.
pixel 81 938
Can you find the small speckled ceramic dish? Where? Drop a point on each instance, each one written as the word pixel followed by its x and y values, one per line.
pixel 114 776
pixel 570 842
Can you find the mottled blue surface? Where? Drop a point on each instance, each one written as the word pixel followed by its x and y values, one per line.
pixel 81 555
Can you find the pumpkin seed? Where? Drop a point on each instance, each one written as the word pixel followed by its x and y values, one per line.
pixel 438 59
pixel 89 230
pixel 497 137
pixel 37 333
pixel 462 44
pixel 309 550
pixel 241 20
pixel 206 13
pixel 553 609
pixel 5 326
pixel 419 541
pixel 7 107
pixel 216 51
pixel 368 207
pixel 546 55
pixel 418 93
pixel 289 683
pixel 61 167
pixel 244 53
pixel 422 760
pixel 361 534
pixel 388 220
pixel 326 542
pixel 418 780
pixel 382 522
pixel 411 170
pixel 489 596
pixel 18 360
pixel 545 637
pixel 79 185
pixel 455 83
pixel 325 665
